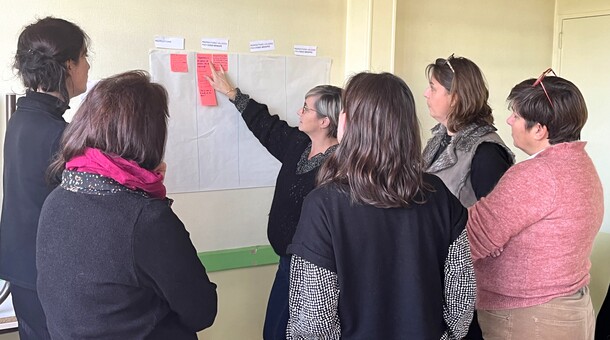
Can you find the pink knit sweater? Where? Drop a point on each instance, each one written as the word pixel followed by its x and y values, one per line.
pixel 545 212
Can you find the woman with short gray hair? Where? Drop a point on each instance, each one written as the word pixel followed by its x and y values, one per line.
pixel 301 150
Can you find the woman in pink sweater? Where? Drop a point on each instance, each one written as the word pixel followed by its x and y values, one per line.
pixel 539 222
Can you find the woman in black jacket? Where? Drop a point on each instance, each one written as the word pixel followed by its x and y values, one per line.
pixel 301 150
pixel 51 60
pixel 114 261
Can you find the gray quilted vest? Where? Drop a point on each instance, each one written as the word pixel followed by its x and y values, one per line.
pixel 453 164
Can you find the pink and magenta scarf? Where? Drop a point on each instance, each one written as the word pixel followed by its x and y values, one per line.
pixel 125 172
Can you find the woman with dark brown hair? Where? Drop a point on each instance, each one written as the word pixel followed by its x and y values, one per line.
pixel 380 251
pixel 114 261
pixel 51 60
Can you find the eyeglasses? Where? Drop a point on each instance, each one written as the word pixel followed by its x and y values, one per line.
pixel 307 109
pixel 539 81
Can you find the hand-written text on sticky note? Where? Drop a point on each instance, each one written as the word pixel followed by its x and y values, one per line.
pixel 220 60
pixel 207 96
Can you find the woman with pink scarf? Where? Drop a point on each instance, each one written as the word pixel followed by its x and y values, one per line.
pixel 113 260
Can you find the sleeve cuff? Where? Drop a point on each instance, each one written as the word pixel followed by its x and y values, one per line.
pixel 241 100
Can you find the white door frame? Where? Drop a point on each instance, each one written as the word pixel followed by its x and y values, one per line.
pixel 558 30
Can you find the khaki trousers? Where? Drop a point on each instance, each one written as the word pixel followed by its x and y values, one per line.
pixel 568 317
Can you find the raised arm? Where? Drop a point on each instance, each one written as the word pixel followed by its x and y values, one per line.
pixel 272 132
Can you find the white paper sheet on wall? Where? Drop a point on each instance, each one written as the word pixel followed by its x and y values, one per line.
pixel 210 147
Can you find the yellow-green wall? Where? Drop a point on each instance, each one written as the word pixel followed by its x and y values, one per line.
pixel 509 39
pixel 565 7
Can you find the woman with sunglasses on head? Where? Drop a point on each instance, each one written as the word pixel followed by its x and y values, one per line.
pixel 465 151
pixel 301 150
pixel 540 222
pixel 51 60
pixel 380 251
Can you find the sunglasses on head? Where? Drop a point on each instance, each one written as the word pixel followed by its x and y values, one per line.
pixel 441 62
pixel 539 81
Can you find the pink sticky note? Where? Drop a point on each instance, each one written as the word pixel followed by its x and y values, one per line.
pixel 220 60
pixel 178 63
pixel 203 64
pixel 207 96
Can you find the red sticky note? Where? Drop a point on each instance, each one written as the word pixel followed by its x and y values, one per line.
pixel 178 63
pixel 203 64
pixel 207 96
pixel 220 60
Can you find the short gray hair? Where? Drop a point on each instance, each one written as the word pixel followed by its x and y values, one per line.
pixel 328 104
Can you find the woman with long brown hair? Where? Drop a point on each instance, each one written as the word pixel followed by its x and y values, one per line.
pixel 380 251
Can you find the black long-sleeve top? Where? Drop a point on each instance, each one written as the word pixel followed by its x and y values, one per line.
pixel 32 139
pixel 489 163
pixel 297 174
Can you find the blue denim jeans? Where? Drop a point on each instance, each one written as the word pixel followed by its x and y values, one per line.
pixel 276 318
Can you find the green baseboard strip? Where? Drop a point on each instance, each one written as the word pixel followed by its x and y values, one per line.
pixel 226 259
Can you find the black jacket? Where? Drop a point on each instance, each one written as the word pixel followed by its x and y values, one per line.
pixel 286 144
pixel 32 139
pixel 389 262
pixel 115 264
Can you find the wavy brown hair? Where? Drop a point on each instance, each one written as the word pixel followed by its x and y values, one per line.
pixel 124 115
pixel 379 156
pixel 464 80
